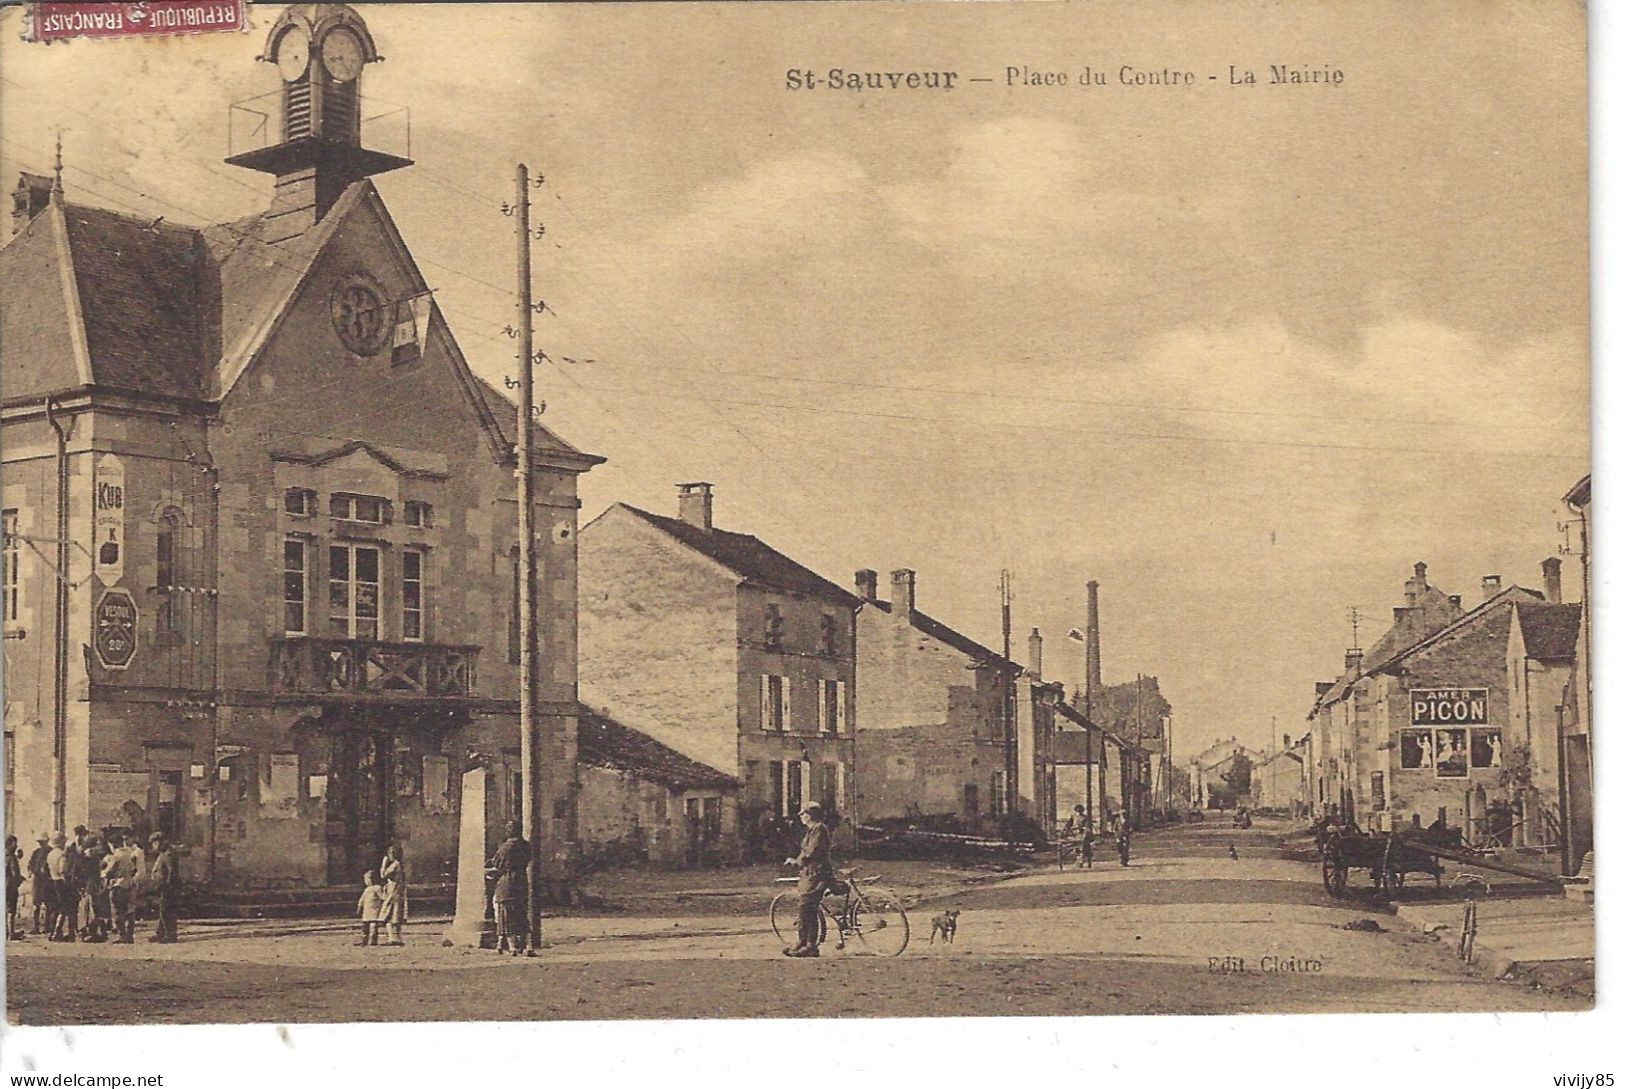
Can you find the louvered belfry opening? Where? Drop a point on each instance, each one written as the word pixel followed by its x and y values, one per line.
pixel 341 113
pixel 296 111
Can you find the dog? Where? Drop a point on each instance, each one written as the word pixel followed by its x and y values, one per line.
pixel 945 924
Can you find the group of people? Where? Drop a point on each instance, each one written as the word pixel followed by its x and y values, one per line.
pixel 382 906
pixel 1079 824
pixel 91 887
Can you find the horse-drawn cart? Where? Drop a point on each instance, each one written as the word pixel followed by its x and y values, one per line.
pixel 1389 857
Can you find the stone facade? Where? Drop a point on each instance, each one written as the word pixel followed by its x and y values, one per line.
pixel 1458 719
pixel 932 707
pixel 319 537
pixel 724 650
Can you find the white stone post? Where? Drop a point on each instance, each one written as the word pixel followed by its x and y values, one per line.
pixel 470 927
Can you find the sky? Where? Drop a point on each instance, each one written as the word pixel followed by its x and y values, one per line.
pixel 1243 354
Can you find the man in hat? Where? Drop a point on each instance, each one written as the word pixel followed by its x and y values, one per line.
pixel 166 887
pixel 814 879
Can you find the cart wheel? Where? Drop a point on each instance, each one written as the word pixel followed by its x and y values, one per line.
pixel 1333 874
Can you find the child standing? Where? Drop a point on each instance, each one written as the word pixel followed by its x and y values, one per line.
pixel 371 909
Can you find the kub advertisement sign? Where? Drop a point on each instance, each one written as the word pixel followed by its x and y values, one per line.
pixel 109 550
pixel 115 629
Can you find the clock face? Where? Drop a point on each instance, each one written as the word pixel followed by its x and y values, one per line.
pixel 293 54
pixel 359 314
pixel 342 55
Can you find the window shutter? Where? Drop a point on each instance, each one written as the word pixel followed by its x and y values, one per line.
pixel 840 707
pixel 767 703
pixel 784 703
pixel 841 802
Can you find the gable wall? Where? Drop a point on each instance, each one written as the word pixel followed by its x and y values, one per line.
pixel 308 394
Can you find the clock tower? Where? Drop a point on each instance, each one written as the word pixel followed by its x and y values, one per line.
pixel 319 50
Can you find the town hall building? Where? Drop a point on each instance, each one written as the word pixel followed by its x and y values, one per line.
pixel 261 546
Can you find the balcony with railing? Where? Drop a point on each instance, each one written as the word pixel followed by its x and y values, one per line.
pixel 367 669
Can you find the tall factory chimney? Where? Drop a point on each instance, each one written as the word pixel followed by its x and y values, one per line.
pixel 1091 682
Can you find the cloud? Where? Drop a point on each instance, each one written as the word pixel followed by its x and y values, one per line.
pixel 1021 192
pixel 777 205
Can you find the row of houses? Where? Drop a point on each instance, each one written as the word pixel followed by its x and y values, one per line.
pixel 740 658
pixel 262 580
pixel 1473 714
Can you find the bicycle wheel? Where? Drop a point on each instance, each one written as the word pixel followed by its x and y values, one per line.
pixel 785 915
pixel 879 926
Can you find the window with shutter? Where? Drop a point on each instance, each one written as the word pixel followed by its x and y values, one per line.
pixel 792 787
pixel 769 703
pixel 784 722
pixel 775 778
pixel 840 707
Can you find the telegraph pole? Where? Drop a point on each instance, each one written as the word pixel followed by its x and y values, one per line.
pixel 1005 598
pixel 529 734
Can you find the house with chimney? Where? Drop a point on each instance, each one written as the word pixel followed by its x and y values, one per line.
pixel 1277 780
pixel 726 650
pixel 1342 744
pixel 260 521
pixel 936 708
pixel 1463 722
pixel 950 731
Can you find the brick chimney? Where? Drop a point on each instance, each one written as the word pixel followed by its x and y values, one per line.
pixel 902 591
pixel 1035 655
pixel 1416 585
pixel 1492 586
pixel 1552 568
pixel 1323 687
pixel 1091 664
pixel 29 199
pixel 694 504
pixel 868 584
pixel 1352 658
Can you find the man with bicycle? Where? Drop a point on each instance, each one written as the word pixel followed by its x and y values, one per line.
pixel 815 878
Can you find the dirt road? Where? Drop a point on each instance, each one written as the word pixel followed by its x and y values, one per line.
pixel 1183 929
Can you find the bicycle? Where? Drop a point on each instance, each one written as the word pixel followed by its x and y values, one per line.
pixel 862 913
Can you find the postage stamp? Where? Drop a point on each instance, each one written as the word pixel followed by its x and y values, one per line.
pixel 51 22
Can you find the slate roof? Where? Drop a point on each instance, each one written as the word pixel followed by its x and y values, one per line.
pixel 750 558
pixel 936 629
pixel 605 743
pixel 1484 609
pixel 40 355
pixel 138 291
pixel 168 310
pixel 1393 646
pixel 506 414
pixel 1549 630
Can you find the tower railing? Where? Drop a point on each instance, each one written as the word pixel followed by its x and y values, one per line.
pixel 257 122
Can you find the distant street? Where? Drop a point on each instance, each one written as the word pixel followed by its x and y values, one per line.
pixel 1184 929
